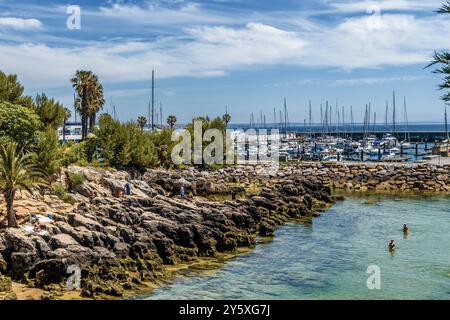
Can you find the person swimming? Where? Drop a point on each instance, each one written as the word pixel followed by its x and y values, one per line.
pixel 405 228
pixel 392 246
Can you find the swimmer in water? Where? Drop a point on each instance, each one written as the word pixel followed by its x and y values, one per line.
pixel 391 246
pixel 405 229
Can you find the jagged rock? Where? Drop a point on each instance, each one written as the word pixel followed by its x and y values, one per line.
pixel 108 236
pixel 22 262
pixel 62 241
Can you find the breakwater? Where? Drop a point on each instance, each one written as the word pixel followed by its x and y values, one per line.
pixel 339 175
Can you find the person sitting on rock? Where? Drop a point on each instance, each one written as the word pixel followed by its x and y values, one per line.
pixel 392 246
pixel 37 227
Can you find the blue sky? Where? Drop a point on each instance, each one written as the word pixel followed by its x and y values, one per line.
pixel 247 55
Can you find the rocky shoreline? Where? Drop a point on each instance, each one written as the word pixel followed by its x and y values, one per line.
pixel 121 243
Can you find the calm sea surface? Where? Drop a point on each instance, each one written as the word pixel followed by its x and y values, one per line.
pixel 328 258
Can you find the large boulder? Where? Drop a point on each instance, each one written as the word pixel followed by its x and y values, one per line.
pixel 22 262
pixel 62 241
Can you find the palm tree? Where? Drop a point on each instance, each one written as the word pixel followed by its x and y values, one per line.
pixel 67 115
pixel 90 98
pixel 443 60
pixel 17 172
pixel 445 7
pixel 226 118
pixel 141 121
pixel 171 121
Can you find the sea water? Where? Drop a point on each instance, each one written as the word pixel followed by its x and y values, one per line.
pixel 328 257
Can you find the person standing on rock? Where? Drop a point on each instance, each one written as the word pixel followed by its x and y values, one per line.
pixel 182 192
pixel 127 189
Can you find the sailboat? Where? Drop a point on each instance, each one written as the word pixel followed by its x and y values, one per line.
pixel 406 142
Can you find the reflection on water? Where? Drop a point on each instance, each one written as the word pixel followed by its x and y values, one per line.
pixel 328 257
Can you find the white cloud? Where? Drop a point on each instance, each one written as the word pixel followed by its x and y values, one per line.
pixel 20 24
pixel 370 81
pixel 397 5
pixel 213 50
pixel 153 13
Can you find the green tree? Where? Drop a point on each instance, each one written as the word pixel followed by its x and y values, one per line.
pixel 90 98
pixel 12 91
pixel 48 152
pixel 162 141
pixel 19 124
pixel 67 115
pixel 51 112
pixel 207 123
pixel 17 172
pixel 124 145
pixel 226 118
pixel 141 121
pixel 171 121
pixel 442 60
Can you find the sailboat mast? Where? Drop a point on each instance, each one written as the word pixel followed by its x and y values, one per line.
pixel 407 138
pixel 386 116
pixel 393 114
pixel 310 118
pixel 352 120
pixel 321 119
pixel 153 99
pixel 285 116
pixel 446 124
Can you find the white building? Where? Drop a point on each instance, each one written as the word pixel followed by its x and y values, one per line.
pixel 73 132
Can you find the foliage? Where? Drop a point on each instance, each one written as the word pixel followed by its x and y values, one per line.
pixel 17 172
pixel 90 98
pixel 60 191
pixel 48 151
pixel 74 153
pixel 19 124
pixel 207 123
pixel 124 145
pixel 12 91
pixel 445 7
pixel 171 121
pixel 442 60
pixel 226 118
pixel 163 143
pixel 51 112
pixel 141 121
pixel 75 180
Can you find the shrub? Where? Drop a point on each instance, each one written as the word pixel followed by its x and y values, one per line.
pixel 60 191
pixel 74 153
pixel 19 124
pixel 75 180
pixel 48 151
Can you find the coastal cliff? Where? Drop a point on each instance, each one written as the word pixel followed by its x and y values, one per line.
pixel 119 243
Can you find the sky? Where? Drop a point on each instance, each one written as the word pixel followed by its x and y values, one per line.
pixel 243 56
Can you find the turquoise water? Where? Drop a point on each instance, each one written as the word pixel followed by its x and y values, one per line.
pixel 328 258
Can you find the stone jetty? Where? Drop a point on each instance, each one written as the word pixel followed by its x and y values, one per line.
pixel 404 177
